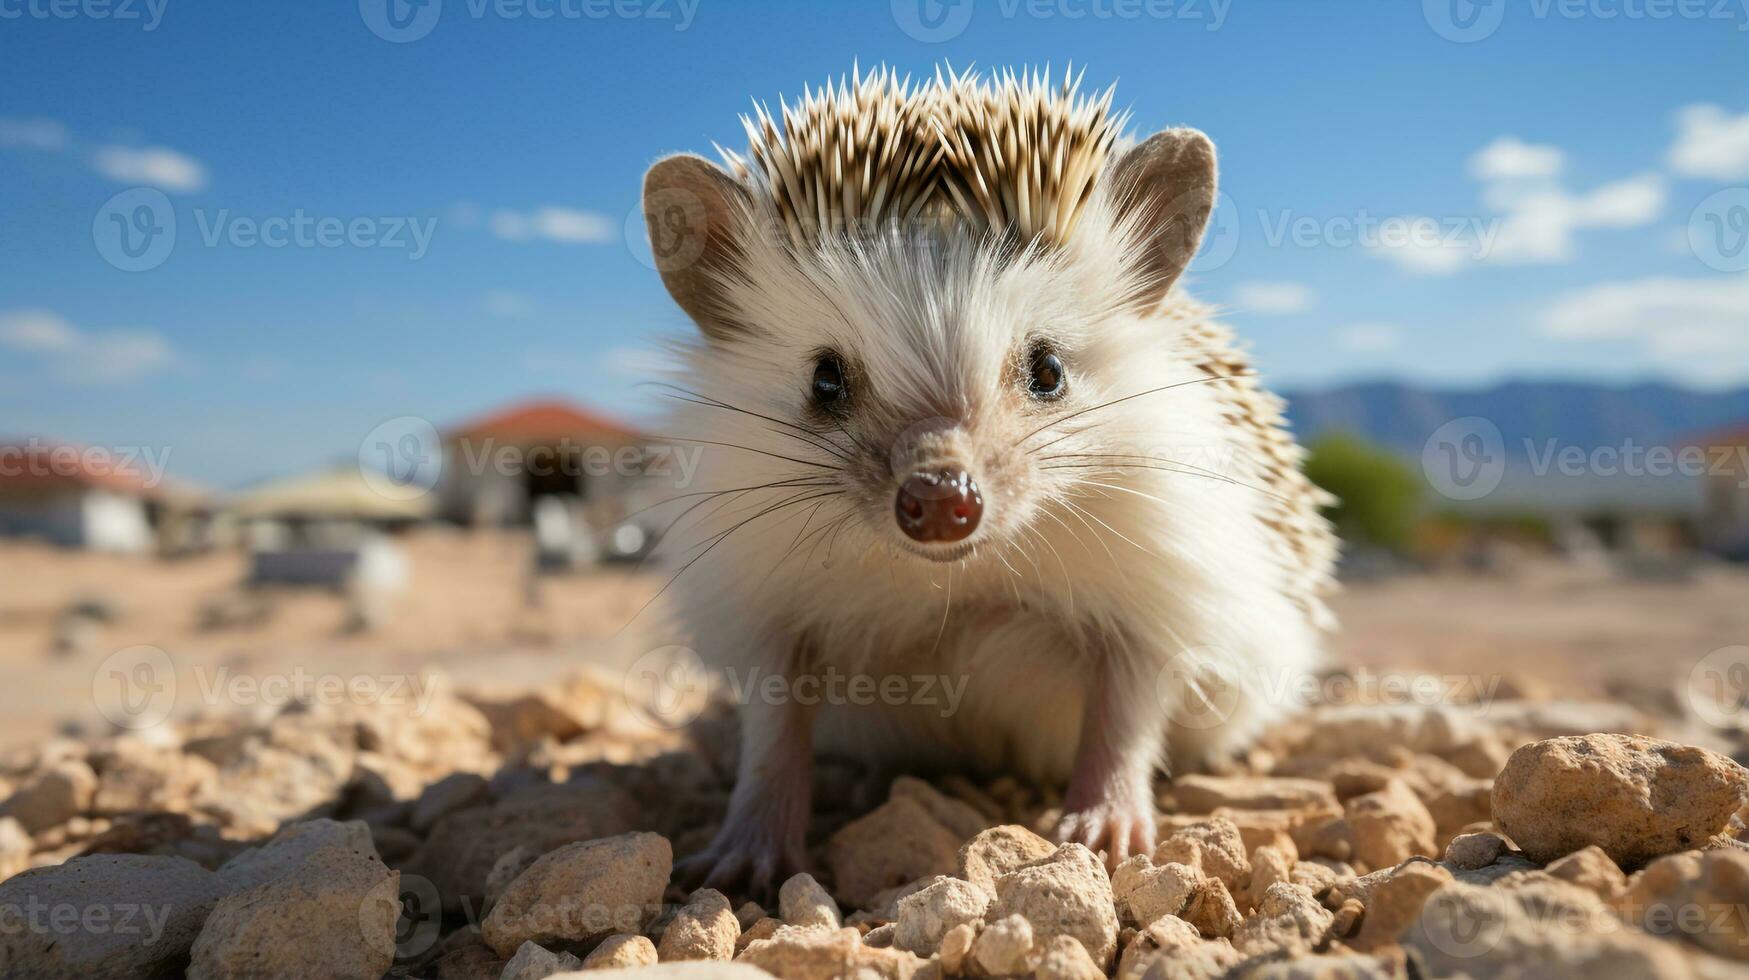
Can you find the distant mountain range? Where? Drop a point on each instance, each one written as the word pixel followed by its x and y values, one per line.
pixel 1532 417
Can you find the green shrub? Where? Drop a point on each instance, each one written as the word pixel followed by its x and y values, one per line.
pixel 1378 497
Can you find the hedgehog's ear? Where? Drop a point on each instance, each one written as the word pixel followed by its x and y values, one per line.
pixel 691 209
pixel 1166 186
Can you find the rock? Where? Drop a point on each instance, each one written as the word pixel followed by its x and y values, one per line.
pixel 1589 867
pixel 995 852
pixel 1066 893
pixel 816 954
pixel 1459 805
pixel 1213 911
pixel 52 796
pixel 321 879
pixel 1700 896
pixel 956 947
pixel 1145 891
pixel 1205 794
pixel 802 902
pixel 897 843
pixel 108 915
pixel 1637 798
pixel 1472 851
pixel 958 816
pixel 1269 866
pixel 1396 902
pixel 462 848
pixel 1389 826
pixel 504 870
pixel 1539 929
pixel 1002 948
pixel 703 929
pixel 1171 947
pixel 1065 959
pixel 134 776
pixel 751 912
pixel 454 792
pixel 674 971
pixel 535 962
pixel 468 961
pixel 926 916
pixel 294 770
pixel 1288 919
pixel 621 952
pixel 1213 847
pixel 583 891
pixel 15 848
pixel 762 929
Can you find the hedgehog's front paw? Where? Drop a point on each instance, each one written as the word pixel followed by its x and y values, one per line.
pixel 1120 825
pixel 746 858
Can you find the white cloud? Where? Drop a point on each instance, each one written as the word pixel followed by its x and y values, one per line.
pixel 1427 247
pixel 1692 325
pixel 1272 297
pixel 1710 143
pixel 506 303
pixel 32 134
pixel 554 224
pixel 84 357
pixel 1510 158
pixel 1539 223
pixel 1368 337
pixel 154 166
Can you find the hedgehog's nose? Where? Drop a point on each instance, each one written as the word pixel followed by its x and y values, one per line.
pixel 939 506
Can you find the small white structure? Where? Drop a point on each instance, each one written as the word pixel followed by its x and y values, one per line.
pixel 1724 520
pixel 326 529
pixel 53 492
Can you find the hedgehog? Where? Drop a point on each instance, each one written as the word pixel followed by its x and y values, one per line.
pixel 983 491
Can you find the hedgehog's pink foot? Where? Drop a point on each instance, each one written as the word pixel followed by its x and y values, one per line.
pixel 1110 803
pixel 764 839
pixel 1120 824
pixel 753 854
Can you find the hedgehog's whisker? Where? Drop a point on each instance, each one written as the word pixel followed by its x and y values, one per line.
pixel 1161 464
pixel 762 452
pixel 700 399
pixel 724 536
pixel 1116 401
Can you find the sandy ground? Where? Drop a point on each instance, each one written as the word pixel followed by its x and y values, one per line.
pixel 1552 628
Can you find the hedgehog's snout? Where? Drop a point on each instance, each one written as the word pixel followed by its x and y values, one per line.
pixel 940 506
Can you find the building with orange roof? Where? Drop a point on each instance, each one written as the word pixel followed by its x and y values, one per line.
pixel 90 496
pixel 499 466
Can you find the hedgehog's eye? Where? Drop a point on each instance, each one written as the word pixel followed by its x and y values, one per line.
pixel 828 385
pixel 1049 378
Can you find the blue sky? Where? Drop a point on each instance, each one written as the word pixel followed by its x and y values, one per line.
pixel 1575 170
